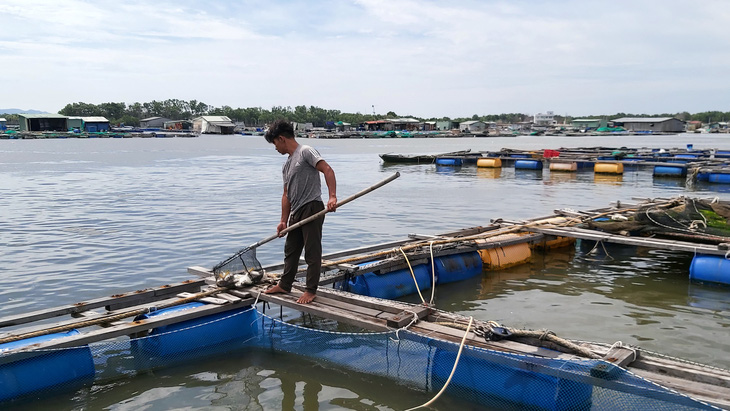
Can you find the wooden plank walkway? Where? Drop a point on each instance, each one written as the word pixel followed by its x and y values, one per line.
pixel 660 243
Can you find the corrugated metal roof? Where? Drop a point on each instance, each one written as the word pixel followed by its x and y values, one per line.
pixel 471 122
pixel 47 115
pixel 95 119
pixel 2 119
pixel 643 119
pixel 403 120
pixel 215 119
pixel 150 118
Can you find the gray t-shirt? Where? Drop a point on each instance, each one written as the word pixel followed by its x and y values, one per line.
pixel 301 178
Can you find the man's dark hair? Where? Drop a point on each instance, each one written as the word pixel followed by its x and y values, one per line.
pixel 279 128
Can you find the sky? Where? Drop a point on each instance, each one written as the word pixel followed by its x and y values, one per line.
pixel 422 58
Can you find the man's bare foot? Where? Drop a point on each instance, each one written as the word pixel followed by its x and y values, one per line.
pixel 306 298
pixel 275 290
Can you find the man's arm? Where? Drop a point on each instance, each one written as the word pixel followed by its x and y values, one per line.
pixel 285 210
pixel 329 178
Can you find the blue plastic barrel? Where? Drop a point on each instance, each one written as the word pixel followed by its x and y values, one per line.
pixel 392 285
pixel 201 335
pixel 457 267
pixel 685 156
pixel 670 171
pixel 710 268
pixel 528 164
pixel 57 370
pixel 720 178
pixel 446 161
pixel 703 176
pixel 520 155
pixel 480 379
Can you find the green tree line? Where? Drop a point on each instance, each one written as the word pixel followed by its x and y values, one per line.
pixel 121 113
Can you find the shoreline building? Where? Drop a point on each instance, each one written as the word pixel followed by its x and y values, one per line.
pixel 472 126
pixel 651 124
pixel 153 122
pixel 95 124
pixel 588 123
pixel 42 122
pixel 546 119
pixel 213 125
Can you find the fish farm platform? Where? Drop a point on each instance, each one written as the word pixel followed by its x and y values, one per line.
pixel 209 313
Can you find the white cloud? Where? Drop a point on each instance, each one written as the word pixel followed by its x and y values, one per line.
pixel 426 58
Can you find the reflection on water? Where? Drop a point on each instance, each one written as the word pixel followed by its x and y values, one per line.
pixel 492 173
pixel 671 182
pixel 526 174
pixel 442 169
pixel 562 177
pixel 599 178
pixel 709 297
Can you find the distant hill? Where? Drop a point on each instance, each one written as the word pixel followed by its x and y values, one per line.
pixel 17 111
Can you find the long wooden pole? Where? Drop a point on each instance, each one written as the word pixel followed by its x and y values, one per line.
pixel 305 221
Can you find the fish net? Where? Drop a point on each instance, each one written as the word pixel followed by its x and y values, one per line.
pixel 485 379
pixel 244 261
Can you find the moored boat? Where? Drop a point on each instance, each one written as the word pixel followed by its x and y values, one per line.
pixel 418 158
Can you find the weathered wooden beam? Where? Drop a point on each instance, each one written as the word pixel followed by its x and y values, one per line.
pixel 86 337
pixel 594 235
pixel 616 356
pixel 111 303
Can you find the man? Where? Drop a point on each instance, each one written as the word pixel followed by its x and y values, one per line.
pixel 302 198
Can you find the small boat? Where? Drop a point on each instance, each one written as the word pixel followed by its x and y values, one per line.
pixel 418 158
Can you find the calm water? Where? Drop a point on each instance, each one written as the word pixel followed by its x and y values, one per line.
pixel 84 218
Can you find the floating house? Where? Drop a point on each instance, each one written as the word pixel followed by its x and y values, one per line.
pixel 153 122
pixel 342 126
pixel 180 125
pixel 3 124
pixel 588 123
pixel 302 126
pixel 473 126
pixel 446 125
pixel 405 124
pixel 651 124
pixel 95 124
pixel 379 125
pixel 75 123
pixel 213 125
pixel 42 122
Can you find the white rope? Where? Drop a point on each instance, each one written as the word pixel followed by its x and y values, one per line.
pixel 414 276
pixel 446 384
pixel 433 273
pixel 413 321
